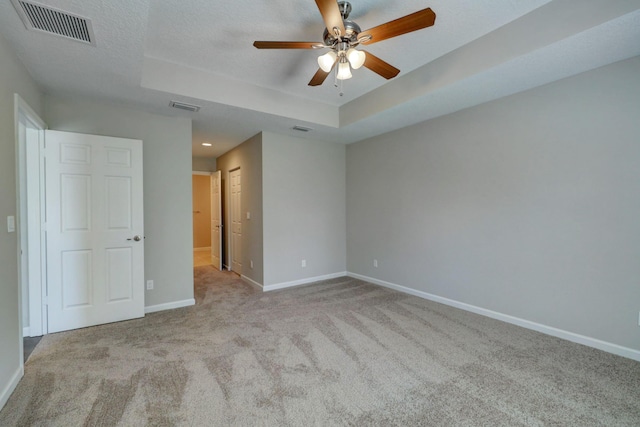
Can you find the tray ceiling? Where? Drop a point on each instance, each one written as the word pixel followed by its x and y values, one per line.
pixel 150 52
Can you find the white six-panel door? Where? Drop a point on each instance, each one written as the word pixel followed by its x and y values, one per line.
pixel 95 235
pixel 216 220
pixel 235 179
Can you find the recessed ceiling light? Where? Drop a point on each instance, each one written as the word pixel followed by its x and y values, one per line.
pixel 207 144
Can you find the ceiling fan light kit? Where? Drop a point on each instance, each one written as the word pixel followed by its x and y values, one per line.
pixel 327 60
pixel 344 71
pixel 342 36
pixel 356 58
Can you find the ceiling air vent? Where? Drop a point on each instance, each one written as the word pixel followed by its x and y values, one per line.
pixel 183 106
pixel 39 17
pixel 301 128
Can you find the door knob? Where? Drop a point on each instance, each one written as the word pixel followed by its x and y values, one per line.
pixel 136 238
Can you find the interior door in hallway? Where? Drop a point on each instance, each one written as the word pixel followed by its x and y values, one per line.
pixel 95 235
pixel 216 220
pixel 235 179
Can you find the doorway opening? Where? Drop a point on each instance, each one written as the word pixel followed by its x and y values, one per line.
pixel 201 200
pixel 60 241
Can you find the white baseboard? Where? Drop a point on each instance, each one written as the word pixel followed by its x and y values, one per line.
pixel 169 305
pixel 250 281
pixel 549 330
pixel 303 281
pixel 11 386
pixel 26 331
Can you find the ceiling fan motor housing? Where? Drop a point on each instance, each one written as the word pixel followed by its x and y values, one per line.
pixel 352 30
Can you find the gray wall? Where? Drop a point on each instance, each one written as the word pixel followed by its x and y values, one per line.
pixel 14 78
pixel 304 208
pixel 203 164
pixel 528 206
pixel 248 157
pixel 167 185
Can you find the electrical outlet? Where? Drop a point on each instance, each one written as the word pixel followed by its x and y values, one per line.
pixel 304 263
pixel 375 263
pixel 251 264
pixel 149 285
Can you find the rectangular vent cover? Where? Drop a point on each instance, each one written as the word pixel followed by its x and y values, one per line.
pixel 183 106
pixel 44 18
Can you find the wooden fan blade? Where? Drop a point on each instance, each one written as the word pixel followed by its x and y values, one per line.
pixel 416 21
pixel 379 66
pixel 331 15
pixel 319 77
pixel 287 45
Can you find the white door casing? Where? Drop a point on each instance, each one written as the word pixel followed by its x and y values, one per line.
pixel 95 234
pixel 31 214
pixel 216 220
pixel 34 142
pixel 235 179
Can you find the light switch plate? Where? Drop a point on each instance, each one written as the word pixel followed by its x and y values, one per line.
pixel 248 215
pixel 11 224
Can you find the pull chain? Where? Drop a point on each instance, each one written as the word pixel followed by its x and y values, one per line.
pixel 338 84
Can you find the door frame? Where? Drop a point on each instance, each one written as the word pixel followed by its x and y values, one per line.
pixel 34 249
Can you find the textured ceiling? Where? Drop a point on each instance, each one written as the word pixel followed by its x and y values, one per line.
pixel 149 52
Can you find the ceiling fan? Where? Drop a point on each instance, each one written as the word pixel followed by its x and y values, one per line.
pixel 342 36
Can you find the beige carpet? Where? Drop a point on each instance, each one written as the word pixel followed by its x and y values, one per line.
pixel 341 352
